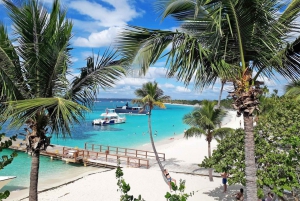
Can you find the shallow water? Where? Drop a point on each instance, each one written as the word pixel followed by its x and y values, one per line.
pixel 165 123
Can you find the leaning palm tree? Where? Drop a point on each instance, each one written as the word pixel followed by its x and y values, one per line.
pixel 214 37
pixel 35 90
pixel 203 121
pixel 151 95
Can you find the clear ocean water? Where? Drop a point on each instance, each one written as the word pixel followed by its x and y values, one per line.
pixel 165 122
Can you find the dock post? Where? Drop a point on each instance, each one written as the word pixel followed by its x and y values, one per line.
pixel 100 148
pixel 135 153
pixel 84 145
pixel 146 153
pixel 125 152
pixel 117 150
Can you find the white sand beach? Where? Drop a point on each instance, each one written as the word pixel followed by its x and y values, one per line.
pixel 182 157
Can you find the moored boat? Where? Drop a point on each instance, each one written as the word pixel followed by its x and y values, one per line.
pixel 5 179
pixel 131 110
pixel 109 117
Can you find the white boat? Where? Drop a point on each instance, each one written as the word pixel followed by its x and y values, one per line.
pixel 109 117
pixel 5 179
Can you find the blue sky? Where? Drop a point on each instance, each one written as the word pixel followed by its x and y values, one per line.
pixel 96 25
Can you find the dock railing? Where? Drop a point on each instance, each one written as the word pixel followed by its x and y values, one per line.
pixel 123 151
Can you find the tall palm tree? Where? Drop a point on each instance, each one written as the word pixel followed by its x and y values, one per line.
pixel 216 36
pixel 151 95
pixel 34 88
pixel 203 121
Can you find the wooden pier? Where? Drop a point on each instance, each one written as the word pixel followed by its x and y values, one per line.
pixel 98 155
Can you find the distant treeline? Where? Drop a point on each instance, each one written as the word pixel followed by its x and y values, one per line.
pixel 225 103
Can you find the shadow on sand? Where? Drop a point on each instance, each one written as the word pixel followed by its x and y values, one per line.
pixel 218 194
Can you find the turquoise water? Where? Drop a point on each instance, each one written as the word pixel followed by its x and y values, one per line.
pixel 165 122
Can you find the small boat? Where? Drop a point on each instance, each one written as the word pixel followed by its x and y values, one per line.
pixel 5 179
pixel 131 110
pixel 109 117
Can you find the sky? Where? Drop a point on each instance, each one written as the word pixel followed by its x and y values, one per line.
pixel 96 26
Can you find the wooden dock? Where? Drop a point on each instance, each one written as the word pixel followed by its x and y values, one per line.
pixel 97 155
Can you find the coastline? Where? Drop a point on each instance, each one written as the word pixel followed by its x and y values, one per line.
pixel 182 157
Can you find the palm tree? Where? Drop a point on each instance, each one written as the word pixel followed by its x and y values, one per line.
pixel 216 36
pixel 34 88
pixel 203 121
pixel 151 95
pixel 293 89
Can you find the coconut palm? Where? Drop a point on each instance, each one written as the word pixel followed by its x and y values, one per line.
pixel 151 95
pixel 218 35
pixel 34 88
pixel 203 121
pixel 293 89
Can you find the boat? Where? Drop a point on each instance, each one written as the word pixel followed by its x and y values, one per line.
pixel 109 117
pixel 131 110
pixel 5 179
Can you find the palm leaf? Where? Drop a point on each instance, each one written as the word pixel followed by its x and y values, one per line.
pixel 194 132
pixel 61 113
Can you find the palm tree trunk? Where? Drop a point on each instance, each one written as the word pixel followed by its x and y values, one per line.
pixel 209 155
pixel 34 175
pixel 251 187
pixel 152 143
pixel 220 95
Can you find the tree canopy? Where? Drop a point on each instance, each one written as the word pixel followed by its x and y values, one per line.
pixel 277 151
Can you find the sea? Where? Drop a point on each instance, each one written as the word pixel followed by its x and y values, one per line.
pixel 134 133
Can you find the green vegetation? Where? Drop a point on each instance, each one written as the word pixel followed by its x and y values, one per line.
pixel 124 188
pixel 34 88
pixel 203 121
pixel 237 40
pixel 151 95
pixel 6 160
pixel 277 151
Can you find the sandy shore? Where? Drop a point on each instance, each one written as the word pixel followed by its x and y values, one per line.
pixel 182 157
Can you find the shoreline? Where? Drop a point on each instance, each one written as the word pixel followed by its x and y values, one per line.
pixel 182 157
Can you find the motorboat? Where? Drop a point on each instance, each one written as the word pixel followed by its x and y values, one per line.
pixel 5 179
pixel 131 110
pixel 109 117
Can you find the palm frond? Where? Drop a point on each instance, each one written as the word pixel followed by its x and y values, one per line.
pixel 62 114
pixel 10 71
pixel 221 133
pixel 101 72
pixel 194 132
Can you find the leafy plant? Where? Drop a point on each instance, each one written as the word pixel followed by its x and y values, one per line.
pixel 277 151
pixel 124 187
pixel 180 196
pixel 6 160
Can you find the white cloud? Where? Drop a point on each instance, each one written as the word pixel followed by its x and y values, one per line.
pixel 120 13
pixel 168 85
pixel 182 89
pixel 74 59
pixel 129 81
pixel 98 39
pixel 156 72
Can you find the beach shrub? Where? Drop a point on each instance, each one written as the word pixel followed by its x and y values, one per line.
pixel 124 187
pixel 6 160
pixel 179 192
pixel 277 152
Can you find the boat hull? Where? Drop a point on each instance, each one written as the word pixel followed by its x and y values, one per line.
pixel 128 111
pixel 104 123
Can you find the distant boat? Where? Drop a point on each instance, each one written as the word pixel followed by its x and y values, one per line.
pixel 131 110
pixel 109 117
pixel 5 179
